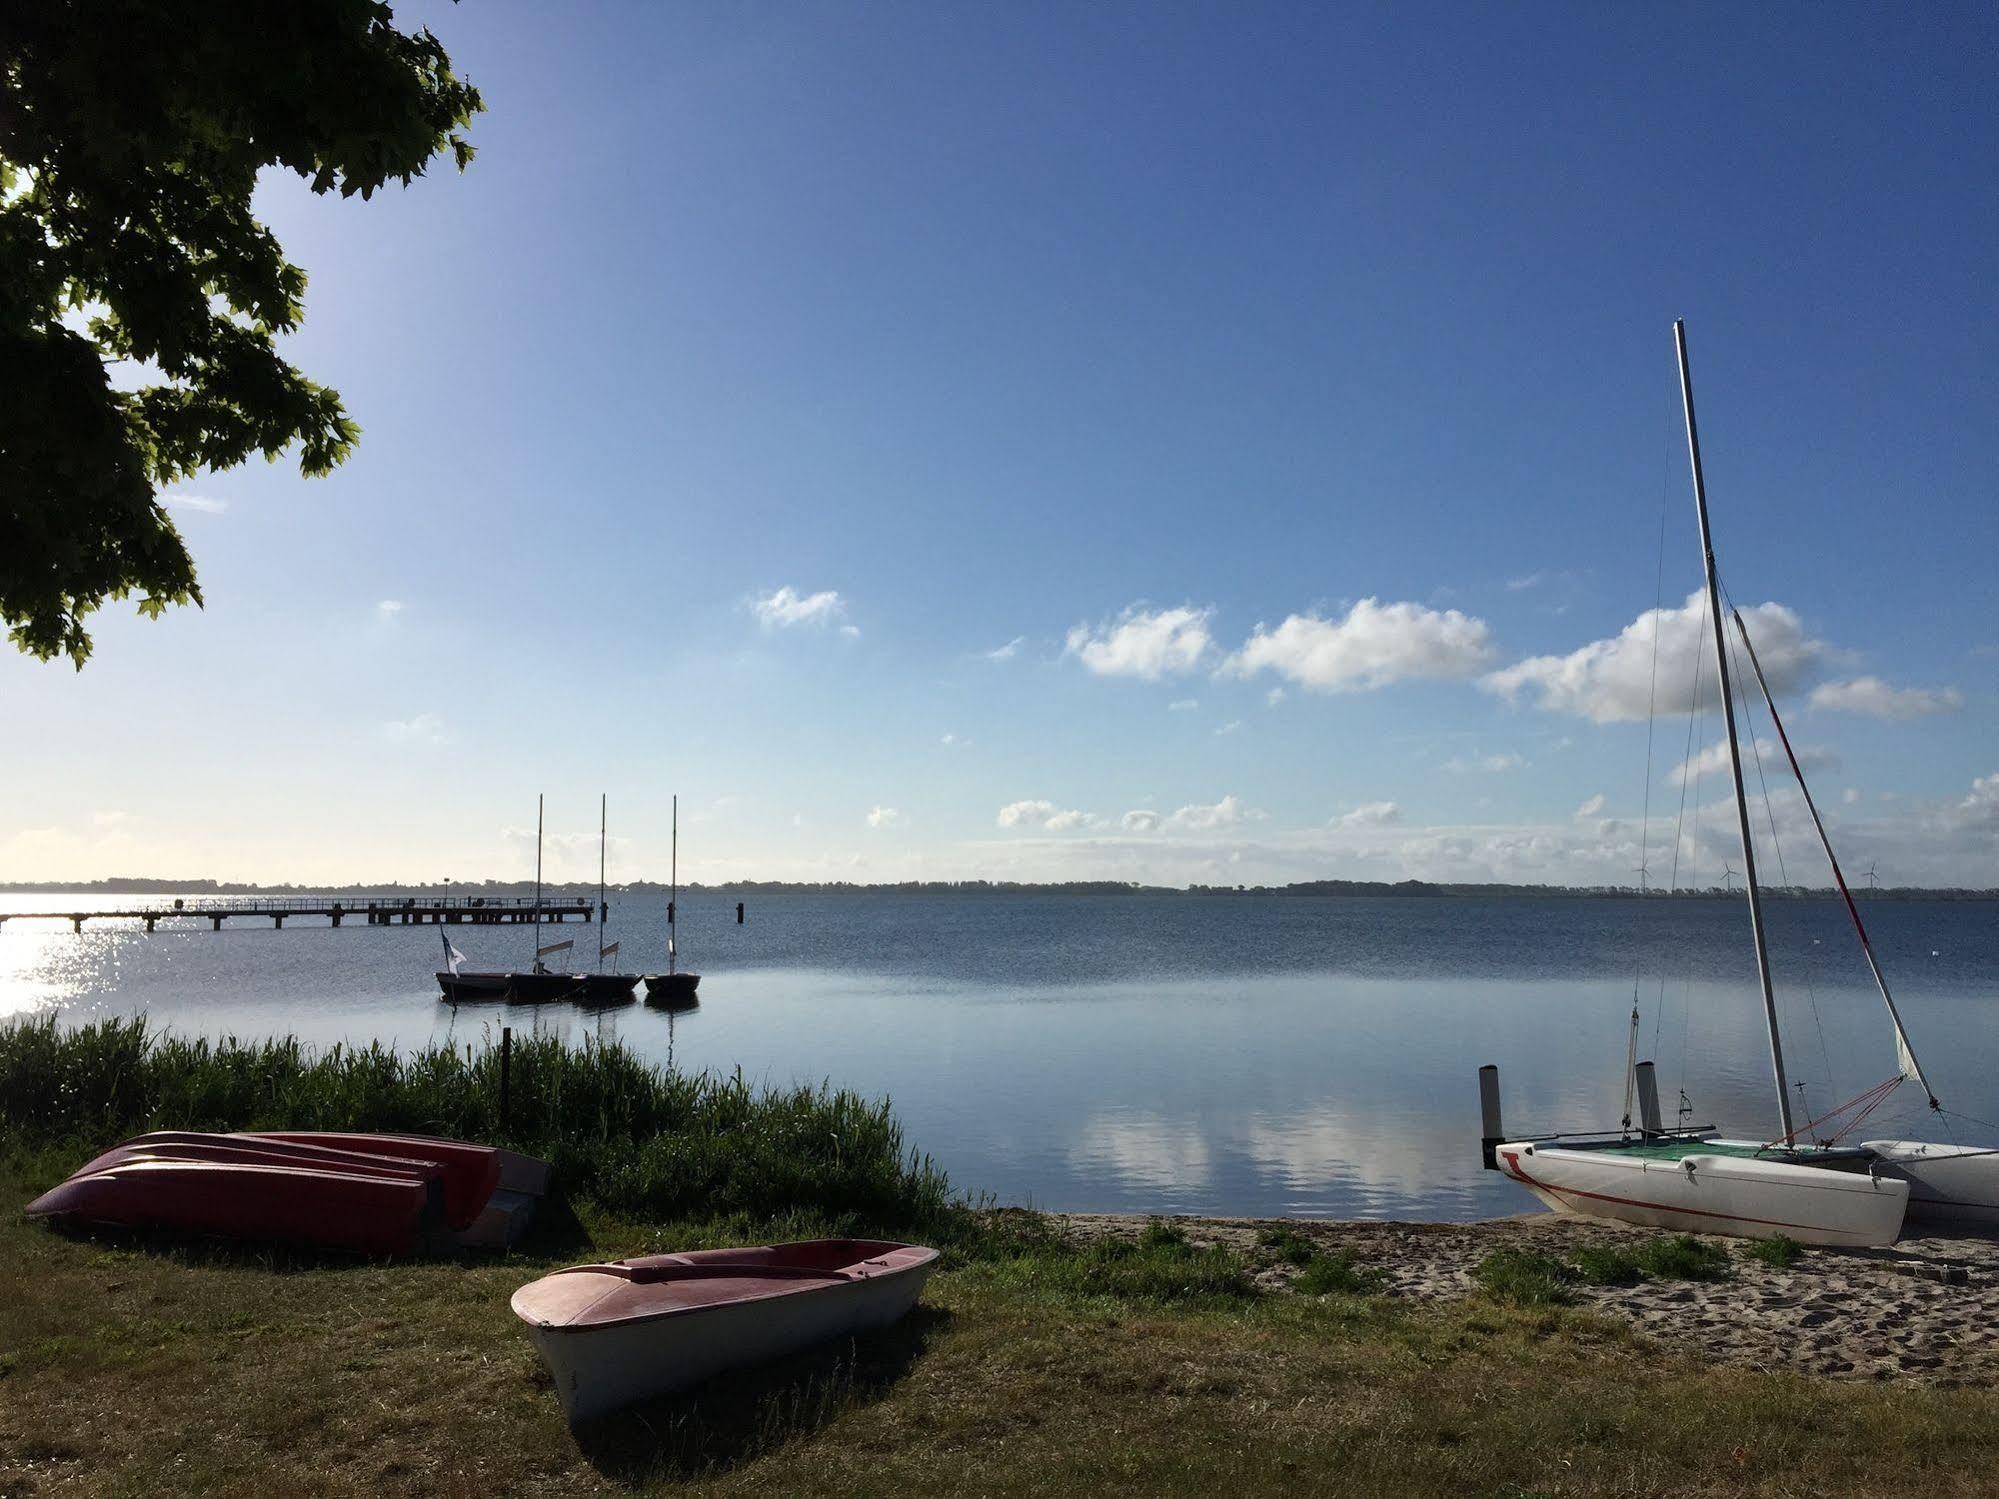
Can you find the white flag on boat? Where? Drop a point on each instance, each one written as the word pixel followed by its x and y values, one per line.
pixel 553 947
pixel 452 956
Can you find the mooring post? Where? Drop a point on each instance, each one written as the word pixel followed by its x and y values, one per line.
pixel 1648 1101
pixel 1488 1109
pixel 77 922
pixel 739 913
pixel 506 1070
pixel 216 922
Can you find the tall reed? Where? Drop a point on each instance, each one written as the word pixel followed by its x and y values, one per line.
pixel 640 1140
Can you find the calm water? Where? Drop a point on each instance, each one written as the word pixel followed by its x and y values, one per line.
pixel 1211 1055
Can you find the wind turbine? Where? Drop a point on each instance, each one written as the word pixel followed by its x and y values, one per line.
pixel 1870 876
pixel 1728 877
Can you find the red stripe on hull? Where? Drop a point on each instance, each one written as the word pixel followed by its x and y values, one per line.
pixel 1512 1158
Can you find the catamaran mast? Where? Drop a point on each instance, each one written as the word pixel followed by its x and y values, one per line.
pixel 602 826
pixel 1734 751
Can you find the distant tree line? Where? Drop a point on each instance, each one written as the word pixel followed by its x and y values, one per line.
pixel 1322 889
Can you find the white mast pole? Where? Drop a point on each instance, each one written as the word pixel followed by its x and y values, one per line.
pixel 1734 752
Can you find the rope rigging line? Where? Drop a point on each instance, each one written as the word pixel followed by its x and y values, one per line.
pixel 1905 1053
pixel 1776 842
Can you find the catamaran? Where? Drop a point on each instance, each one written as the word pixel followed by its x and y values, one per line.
pixel 1805 1183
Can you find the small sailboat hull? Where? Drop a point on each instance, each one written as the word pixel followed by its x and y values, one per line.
pixel 603 989
pixel 543 988
pixel 670 990
pixel 1713 1194
pixel 617 1333
pixel 1947 1183
pixel 465 987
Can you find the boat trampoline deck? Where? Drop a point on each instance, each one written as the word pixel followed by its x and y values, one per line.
pixel 1679 1150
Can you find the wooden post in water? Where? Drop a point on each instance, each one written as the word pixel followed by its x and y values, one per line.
pixel 506 1070
pixel 1488 1109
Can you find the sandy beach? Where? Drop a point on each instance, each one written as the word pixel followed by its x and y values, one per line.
pixel 1925 1310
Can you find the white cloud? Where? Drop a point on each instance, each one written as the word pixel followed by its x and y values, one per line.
pixel 1274 696
pixel 954 741
pixel 1591 807
pixel 1230 727
pixel 425 728
pixel 1043 814
pixel 1713 760
pixel 1850 796
pixel 1149 644
pixel 1611 681
pixel 1183 705
pixel 787 607
pixel 199 503
pixel 1140 820
pixel 1459 764
pixel 1006 652
pixel 1226 813
pixel 388 610
pixel 1532 580
pixel 1370 815
pixel 883 817
pixel 1982 805
pixel 1373 645
pixel 1874 698
pixel 108 819
pixel 850 632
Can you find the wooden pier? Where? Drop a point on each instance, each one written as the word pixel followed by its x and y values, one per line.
pixel 384 910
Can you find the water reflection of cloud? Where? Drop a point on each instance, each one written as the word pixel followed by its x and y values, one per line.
pixel 1144 1150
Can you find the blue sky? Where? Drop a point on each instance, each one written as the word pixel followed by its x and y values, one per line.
pixel 866 420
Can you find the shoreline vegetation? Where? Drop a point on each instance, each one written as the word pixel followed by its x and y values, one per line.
pixel 1302 889
pixel 1529 1356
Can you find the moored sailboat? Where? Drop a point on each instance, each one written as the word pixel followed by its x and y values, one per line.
pixel 675 988
pixel 601 988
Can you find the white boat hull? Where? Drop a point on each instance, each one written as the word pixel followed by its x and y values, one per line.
pixel 1947 1183
pixel 601 1368
pixel 1713 1194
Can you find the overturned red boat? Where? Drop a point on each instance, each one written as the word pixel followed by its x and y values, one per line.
pixel 366 1193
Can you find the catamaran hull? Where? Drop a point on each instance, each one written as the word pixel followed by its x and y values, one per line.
pixel 1711 1194
pixel 1947 1183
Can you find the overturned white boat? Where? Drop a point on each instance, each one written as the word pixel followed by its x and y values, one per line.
pixel 621 1332
pixel 1804 1184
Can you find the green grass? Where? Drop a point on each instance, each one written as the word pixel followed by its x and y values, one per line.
pixel 1521 1277
pixel 1285 1246
pixel 1335 1273
pixel 1779 1253
pixel 1606 1265
pixel 1683 1257
pixel 638 1140
pixel 129 1367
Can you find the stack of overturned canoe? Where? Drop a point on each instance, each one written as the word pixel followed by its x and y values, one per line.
pixel 366 1193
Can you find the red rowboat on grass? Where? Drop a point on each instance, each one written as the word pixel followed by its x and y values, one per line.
pixel 371 1194
pixel 616 1333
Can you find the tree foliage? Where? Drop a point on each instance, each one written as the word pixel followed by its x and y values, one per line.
pixel 132 133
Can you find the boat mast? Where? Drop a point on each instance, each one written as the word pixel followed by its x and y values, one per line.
pixel 673 890
pixel 537 883
pixel 1734 751
pixel 602 825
